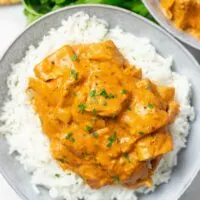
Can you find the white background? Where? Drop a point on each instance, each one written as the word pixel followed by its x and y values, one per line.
pixel 12 22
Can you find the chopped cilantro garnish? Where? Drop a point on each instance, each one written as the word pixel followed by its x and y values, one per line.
pixel 93 93
pixel 89 128
pixel 74 74
pixel 68 136
pixel 123 91
pixel 116 179
pixel 150 106
pixel 111 139
pixel 95 134
pixel 73 140
pixel 141 133
pixel 74 57
pixel 57 175
pixel 127 157
pixel 105 94
pixel 94 112
pixel 82 107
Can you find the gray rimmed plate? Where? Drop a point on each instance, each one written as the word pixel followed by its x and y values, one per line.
pixel 184 63
pixel 156 11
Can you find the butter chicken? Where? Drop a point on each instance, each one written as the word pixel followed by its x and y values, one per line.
pixel 104 121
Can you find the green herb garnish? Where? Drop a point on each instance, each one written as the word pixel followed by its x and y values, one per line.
pixel 94 112
pixel 127 157
pixel 93 93
pixel 74 57
pixel 68 136
pixel 74 74
pixel 73 140
pixel 141 133
pixel 150 106
pixel 123 91
pixel 111 139
pixel 116 179
pixel 105 94
pixel 82 108
pixel 89 128
pixel 95 134
pixel 57 175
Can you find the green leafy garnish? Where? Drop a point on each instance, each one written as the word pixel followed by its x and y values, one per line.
pixel 141 133
pixel 112 139
pixel 68 136
pixel 123 91
pixel 127 157
pixel 74 57
pixel 82 108
pixel 116 179
pixel 105 94
pixel 95 134
pixel 89 128
pixel 150 106
pixel 57 175
pixel 74 74
pixel 93 93
pixel 94 112
pixel 73 140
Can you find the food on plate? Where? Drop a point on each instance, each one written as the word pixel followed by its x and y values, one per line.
pixel 104 121
pixel 5 2
pixel 185 14
pixel 95 112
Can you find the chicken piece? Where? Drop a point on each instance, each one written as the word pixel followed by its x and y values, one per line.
pixel 104 51
pixel 154 145
pixel 59 63
pixel 146 114
pixel 166 93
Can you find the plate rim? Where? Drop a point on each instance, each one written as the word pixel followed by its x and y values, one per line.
pixel 146 21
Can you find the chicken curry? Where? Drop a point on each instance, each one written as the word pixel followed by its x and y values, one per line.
pixel 104 121
pixel 184 13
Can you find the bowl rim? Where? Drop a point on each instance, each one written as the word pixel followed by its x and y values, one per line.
pixel 146 21
pixel 179 34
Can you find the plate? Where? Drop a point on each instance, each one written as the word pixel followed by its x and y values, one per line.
pixel 154 8
pixel 184 63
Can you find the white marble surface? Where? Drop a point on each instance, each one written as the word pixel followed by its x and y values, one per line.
pixel 12 22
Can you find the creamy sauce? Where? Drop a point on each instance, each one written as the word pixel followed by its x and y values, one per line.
pixel 104 121
pixel 185 14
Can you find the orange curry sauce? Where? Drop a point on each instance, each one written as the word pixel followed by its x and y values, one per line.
pixel 104 122
pixel 185 14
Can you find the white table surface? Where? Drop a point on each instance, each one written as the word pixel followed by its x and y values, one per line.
pixel 12 22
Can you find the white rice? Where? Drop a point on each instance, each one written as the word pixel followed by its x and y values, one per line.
pixel 22 126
